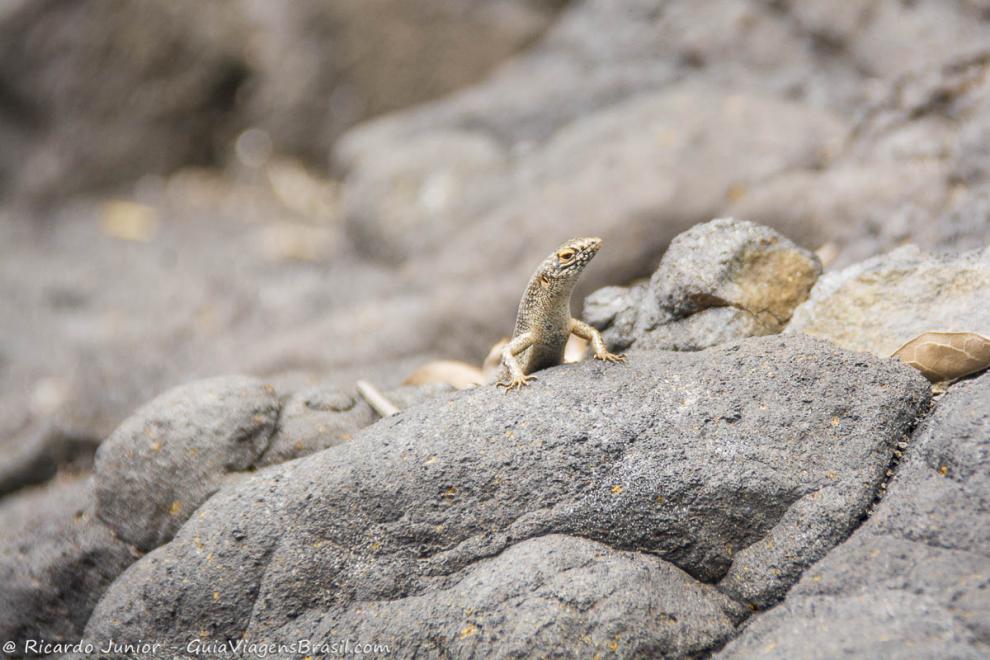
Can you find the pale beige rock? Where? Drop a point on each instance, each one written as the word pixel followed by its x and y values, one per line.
pixel 879 304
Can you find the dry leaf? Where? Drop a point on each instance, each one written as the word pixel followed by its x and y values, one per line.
pixel 946 355
pixel 459 374
pixel 128 221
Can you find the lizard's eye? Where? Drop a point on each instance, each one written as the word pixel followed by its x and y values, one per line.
pixel 566 255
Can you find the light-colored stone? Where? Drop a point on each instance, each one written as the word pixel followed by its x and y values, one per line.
pixel 880 304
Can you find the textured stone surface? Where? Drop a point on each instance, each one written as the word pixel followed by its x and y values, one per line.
pixel 693 457
pixel 552 594
pixel 914 581
pixel 721 280
pixel 319 417
pixel 56 558
pixel 172 454
pixel 883 302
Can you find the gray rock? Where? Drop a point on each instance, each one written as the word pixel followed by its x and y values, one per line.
pixel 56 558
pixel 722 280
pixel 883 302
pixel 550 594
pixel 189 77
pixel 103 92
pixel 314 419
pixel 914 165
pixel 321 66
pixel 691 457
pixel 420 193
pixel 320 417
pixel 914 580
pixel 171 455
pixel 38 452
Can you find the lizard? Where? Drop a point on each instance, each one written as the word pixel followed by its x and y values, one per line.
pixel 544 321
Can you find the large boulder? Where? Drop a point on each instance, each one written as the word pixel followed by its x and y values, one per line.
pixel 628 173
pixel 173 453
pixel 321 66
pixel 879 304
pixel 101 92
pixel 913 581
pixel 714 461
pixel 725 279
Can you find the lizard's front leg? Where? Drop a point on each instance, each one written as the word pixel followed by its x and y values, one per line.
pixel 585 331
pixel 516 376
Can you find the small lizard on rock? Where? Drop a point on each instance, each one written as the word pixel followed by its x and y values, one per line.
pixel 544 321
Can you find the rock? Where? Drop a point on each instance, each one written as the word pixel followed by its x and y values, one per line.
pixel 635 188
pixel 401 204
pixel 320 417
pixel 321 67
pixel 56 558
pixel 912 581
pixel 171 455
pixel 36 455
pixel 314 419
pixel 190 77
pixel 548 593
pixel 696 458
pixel 880 304
pixel 722 280
pixel 911 172
pixel 102 92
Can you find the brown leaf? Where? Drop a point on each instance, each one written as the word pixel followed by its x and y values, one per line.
pixel 459 374
pixel 946 355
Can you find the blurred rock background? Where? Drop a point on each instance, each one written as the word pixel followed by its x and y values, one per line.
pixel 321 191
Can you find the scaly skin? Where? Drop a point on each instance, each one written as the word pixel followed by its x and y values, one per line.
pixel 544 322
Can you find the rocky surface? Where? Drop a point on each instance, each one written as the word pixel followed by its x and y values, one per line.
pixel 879 304
pixel 914 581
pixel 176 71
pixel 851 128
pixel 912 170
pixel 172 454
pixel 56 559
pixel 724 279
pixel 319 417
pixel 723 489
pixel 552 593
pixel 352 60
pixel 189 78
pixel 631 120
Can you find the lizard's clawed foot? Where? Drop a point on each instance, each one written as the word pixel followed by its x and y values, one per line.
pixel 610 357
pixel 516 383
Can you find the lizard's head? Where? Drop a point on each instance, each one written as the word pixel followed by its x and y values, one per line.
pixel 571 258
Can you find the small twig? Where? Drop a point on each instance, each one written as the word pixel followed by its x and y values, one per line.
pixel 376 399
